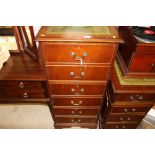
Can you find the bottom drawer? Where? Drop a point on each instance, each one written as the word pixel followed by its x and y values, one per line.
pixel 75 125
pixel 75 120
pixel 120 126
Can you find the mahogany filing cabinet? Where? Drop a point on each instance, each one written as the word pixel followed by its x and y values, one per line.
pixel 127 101
pixel 77 61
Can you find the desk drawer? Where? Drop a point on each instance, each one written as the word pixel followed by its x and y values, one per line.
pixel 76 72
pixel 76 120
pixel 23 90
pixel 134 97
pixel 120 126
pixel 130 109
pixel 125 118
pixel 76 101
pixel 75 111
pixel 76 89
pixel 72 53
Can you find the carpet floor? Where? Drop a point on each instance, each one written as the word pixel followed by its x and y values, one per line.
pixel 38 116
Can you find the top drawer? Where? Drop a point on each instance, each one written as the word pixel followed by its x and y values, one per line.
pixel 71 53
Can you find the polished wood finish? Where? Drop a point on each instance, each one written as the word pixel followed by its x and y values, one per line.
pixel 21 67
pixel 71 52
pixel 22 80
pixel 77 69
pixel 76 89
pixel 127 105
pixel 136 59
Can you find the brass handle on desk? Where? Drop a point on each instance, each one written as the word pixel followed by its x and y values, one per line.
pixel 21 85
pixel 72 102
pixel 25 95
pixel 72 120
pixel 137 98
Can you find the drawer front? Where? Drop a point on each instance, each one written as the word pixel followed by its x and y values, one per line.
pixel 143 63
pixel 72 89
pixel 76 101
pixel 134 97
pixel 125 118
pixel 19 85
pixel 25 94
pixel 72 53
pixel 75 120
pixel 23 90
pixel 120 126
pixel 74 111
pixel 78 73
pixel 129 109
pixel 75 125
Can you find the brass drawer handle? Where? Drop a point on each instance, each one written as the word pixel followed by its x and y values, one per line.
pixel 138 98
pixel 133 109
pixel 72 120
pixel 25 95
pixel 80 112
pixel 123 126
pixel 128 119
pixel 79 120
pixel 73 103
pixel 21 85
pixel 153 67
pixel 76 57
pixel 72 90
pixel 72 74
pixel 85 54
pixel 73 112
pixel 116 126
pixel 125 110
pixel 121 118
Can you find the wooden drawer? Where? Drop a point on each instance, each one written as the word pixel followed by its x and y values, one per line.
pixel 134 97
pixel 74 101
pixel 76 89
pixel 89 53
pixel 75 125
pixel 120 126
pixel 11 85
pixel 130 109
pixel 23 90
pixel 125 118
pixel 75 111
pixel 143 63
pixel 76 72
pixel 75 120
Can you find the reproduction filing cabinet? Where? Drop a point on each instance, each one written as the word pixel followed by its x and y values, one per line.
pixel 77 62
pixel 136 58
pixel 127 101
